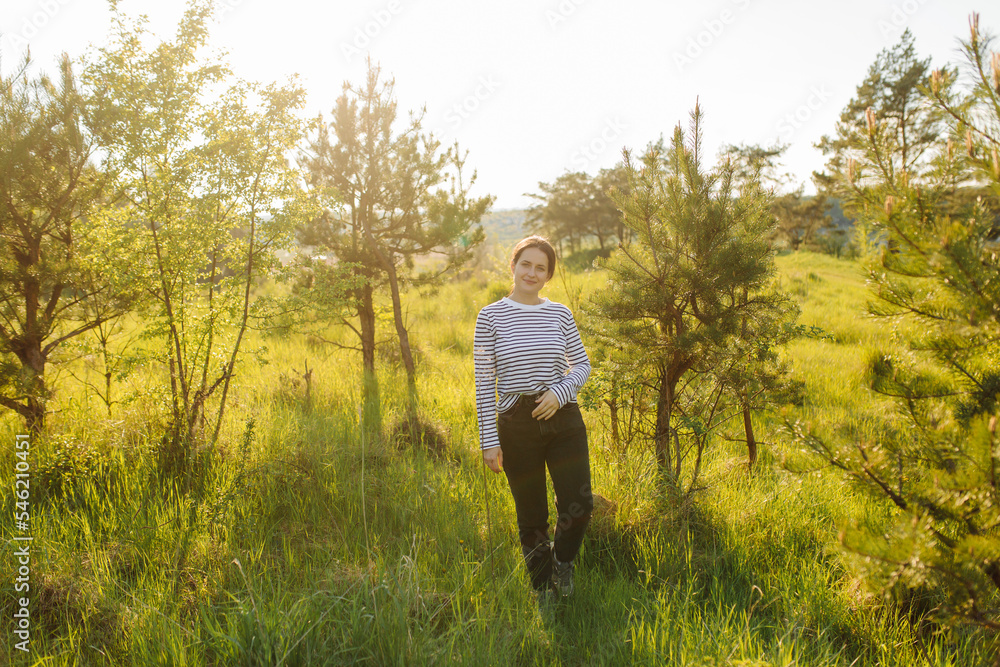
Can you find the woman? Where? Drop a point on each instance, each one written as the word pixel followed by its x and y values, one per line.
pixel 530 363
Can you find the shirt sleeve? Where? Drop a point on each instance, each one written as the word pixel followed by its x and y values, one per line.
pixel 484 358
pixel 579 363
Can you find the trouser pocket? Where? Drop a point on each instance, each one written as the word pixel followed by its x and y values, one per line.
pixel 567 418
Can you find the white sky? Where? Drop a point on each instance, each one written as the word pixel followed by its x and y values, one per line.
pixel 535 88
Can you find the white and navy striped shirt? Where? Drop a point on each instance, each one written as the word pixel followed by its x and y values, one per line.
pixel 521 349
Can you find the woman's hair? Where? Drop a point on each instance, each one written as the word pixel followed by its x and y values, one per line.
pixel 534 241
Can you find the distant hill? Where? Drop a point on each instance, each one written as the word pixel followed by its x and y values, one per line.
pixel 836 212
pixel 504 226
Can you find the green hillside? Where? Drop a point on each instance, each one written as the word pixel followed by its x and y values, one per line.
pixel 505 226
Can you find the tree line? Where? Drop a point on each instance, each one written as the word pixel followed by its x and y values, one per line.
pixel 577 208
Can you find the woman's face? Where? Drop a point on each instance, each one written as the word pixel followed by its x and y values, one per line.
pixel 531 271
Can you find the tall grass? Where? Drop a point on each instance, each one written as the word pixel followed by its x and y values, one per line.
pixel 308 547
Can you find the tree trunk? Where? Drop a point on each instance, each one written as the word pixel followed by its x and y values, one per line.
pixel 34 366
pixel 372 417
pixel 29 351
pixel 404 340
pixel 19 408
pixel 664 409
pixel 244 318
pixel 751 442
pixel 366 313
pixel 744 399
pixel 615 435
pixel 107 388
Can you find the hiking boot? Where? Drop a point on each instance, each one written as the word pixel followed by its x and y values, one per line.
pixel 538 560
pixel 562 576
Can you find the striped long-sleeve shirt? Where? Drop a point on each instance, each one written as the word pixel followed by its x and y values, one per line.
pixel 521 349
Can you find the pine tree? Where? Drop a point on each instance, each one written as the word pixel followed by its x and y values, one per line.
pixel 688 299
pixel 50 293
pixel 891 94
pixel 403 197
pixel 938 268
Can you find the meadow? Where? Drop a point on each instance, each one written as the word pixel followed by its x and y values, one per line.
pixel 299 543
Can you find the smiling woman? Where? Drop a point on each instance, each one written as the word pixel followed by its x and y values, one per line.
pixel 530 363
pixel 530 266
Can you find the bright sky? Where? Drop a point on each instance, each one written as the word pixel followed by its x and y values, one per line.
pixel 533 88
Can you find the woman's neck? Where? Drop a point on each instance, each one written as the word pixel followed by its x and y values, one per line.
pixel 526 299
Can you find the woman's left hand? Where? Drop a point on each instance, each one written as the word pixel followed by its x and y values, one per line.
pixel 547 406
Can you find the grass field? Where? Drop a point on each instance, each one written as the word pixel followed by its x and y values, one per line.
pixel 310 546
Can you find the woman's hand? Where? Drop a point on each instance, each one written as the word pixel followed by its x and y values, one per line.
pixel 494 458
pixel 547 405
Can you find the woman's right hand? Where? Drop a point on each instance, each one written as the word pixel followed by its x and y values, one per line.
pixel 494 458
